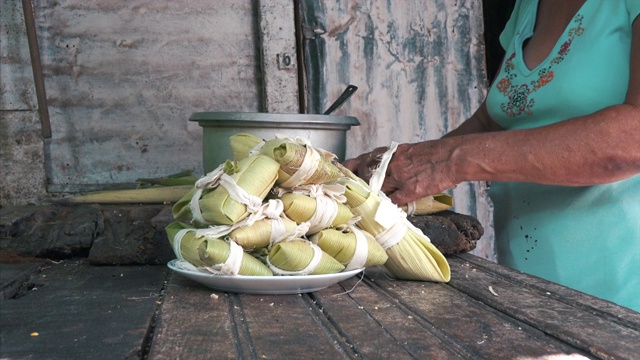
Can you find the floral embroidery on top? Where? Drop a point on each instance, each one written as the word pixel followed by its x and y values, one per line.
pixel 519 101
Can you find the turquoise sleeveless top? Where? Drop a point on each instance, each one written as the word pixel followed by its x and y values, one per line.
pixel 588 237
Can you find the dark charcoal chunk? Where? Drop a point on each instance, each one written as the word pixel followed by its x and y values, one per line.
pixel 451 232
pixel 105 234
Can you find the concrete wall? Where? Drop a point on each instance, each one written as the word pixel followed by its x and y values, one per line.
pixel 21 146
pixel 122 79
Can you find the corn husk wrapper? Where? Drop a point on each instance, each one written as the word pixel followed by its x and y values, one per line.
pixel 411 254
pixel 319 205
pixel 301 163
pixel 229 193
pixel 185 177
pixel 301 257
pixel 244 145
pixel 352 247
pixel 210 254
pixel 429 205
pixel 266 227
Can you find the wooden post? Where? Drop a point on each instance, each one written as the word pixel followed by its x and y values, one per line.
pixel 279 58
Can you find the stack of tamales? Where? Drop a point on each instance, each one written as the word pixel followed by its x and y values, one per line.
pixel 283 207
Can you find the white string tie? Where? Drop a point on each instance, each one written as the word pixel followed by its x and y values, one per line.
pixel 312 160
pixel 219 177
pixel 361 252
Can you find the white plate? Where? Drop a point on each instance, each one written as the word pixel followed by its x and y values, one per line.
pixel 263 284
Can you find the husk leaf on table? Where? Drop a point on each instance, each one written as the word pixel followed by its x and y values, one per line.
pixel 254 175
pixel 346 246
pixel 429 204
pixel 211 254
pixel 300 163
pixel 185 177
pixel 299 257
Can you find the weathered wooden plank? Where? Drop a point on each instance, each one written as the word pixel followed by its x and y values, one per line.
pixel 195 324
pixel 16 278
pixel 598 327
pixel 188 321
pixel 279 56
pixel 77 311
pixel 435 321
pixel 288 326
pixel 378 328
pixel 471 325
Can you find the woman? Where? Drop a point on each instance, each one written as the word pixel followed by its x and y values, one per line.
pixel 559 138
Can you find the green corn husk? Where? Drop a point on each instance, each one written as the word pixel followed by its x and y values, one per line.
pixel 184 177
pixel 208 252
pixel 255 174
pixel 258 235
pixel 413 257
pixel 301 208
pixel 242 144
pixel 341 245
pixel 189 246
pixel 291 155
pixel 295 255
pixel 430 204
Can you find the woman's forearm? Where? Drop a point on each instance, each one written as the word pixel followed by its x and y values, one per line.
pixel 594 149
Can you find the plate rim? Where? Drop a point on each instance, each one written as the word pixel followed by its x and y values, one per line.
pixel 243 280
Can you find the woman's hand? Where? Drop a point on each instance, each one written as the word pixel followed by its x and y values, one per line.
pixel 364 165
pixel 415 170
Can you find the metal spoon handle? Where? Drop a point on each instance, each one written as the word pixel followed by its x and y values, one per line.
pixel 346 94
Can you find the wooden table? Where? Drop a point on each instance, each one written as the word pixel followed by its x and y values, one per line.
pixel 76 311
pixel 486 311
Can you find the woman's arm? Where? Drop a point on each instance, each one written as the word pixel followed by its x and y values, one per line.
pixel 598 148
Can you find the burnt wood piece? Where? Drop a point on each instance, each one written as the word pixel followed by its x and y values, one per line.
pixel 78 311
pixel 105 234
pixel 451 232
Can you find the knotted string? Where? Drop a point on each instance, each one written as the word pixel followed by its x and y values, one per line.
pixel 216 178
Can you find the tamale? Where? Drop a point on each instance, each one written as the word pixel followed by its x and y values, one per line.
pixel 301 257
pixel 352 247
pixel 300 163
pixel 265 227
pixel 229 193
pixel 320 212
pixel 185 246
pixel 242 145
pixel 411 254
pixel 212 254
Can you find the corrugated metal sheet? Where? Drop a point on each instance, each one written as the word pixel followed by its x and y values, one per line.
pixel 419 66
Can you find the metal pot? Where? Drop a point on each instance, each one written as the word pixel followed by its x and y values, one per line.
pixel 323 131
